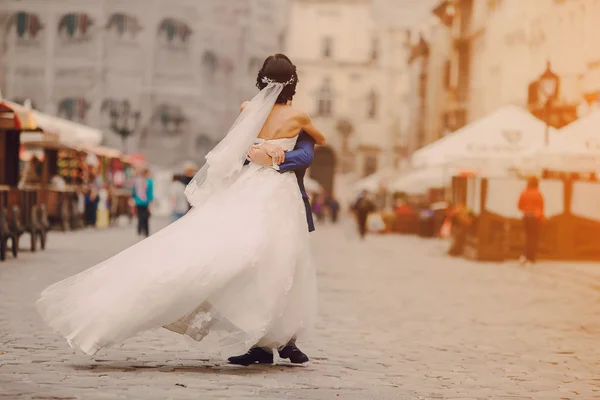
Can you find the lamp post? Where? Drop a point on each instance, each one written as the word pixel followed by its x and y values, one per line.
pixel 345 129
pixel 548 85
pixel 124 121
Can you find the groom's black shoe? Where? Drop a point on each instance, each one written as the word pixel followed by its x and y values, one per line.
pixel 294 354
pixel 255 355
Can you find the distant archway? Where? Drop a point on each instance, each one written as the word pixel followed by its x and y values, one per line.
pixel 323 167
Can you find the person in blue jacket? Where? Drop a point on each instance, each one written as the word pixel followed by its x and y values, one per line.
pixel 143 195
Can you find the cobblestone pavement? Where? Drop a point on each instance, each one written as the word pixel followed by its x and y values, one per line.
pixel 398 320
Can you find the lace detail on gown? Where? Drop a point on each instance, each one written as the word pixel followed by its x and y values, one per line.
pixel 228 273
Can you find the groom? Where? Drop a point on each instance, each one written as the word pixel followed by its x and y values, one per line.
pixel 297 160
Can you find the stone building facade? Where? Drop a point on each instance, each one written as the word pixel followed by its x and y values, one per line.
pixel 171 72
pixel 352 82
pixel 499 48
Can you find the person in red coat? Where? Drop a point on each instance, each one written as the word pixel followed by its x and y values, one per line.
pixel 531 204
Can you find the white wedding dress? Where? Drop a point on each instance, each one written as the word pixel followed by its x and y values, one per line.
pixel 237 268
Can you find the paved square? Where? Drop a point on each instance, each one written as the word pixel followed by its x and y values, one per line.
pixel 398 320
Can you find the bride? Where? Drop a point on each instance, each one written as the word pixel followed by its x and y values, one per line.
pixel 234 272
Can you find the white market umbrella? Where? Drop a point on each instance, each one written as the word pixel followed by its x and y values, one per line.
pixel 509 132
pixel 373 182
pixel 574 148
pixel 420 181
pixel 68 131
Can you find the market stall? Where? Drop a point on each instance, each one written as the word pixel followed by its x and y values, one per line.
pixel 19 212
pixel 68 132
pixel 494 228
pixel 123 179
pixel 113 172
pixel 62 176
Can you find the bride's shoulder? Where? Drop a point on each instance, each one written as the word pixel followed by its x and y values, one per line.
pixel 300 115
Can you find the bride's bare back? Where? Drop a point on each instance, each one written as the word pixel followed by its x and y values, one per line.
pixel 286 122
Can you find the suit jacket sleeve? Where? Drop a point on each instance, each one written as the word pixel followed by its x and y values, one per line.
pixel 301 157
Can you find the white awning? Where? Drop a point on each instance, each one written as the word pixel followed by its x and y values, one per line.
pixel 68 132
pixel 311 185
pixel 420 181
pixel 373 182
pixel 574 148
pixel 510 132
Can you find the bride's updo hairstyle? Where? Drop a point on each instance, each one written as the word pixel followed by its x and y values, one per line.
pixel 279 68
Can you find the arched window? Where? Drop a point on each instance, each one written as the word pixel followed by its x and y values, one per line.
pixel 254 65
pixel 325 99
pixel 210 63
pixel 281 38
pixel 75 26
pixel 371 164
pixel 25 25
pixel 327 47
pixel 374 49
pixel 123 24
pixel 372 105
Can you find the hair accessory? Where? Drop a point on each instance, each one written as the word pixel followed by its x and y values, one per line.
pixel 268 81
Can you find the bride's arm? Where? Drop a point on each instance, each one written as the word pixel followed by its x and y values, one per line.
pixel 244 104
pixel 311 129
pixel 298 159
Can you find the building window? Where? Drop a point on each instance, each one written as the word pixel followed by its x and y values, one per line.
pixel 325 100
pixel 254 65
pixel 370 166
pixel 75 27
pixel 372 105
pixel 327 50
pixel 374 49
pixel 209 62
pixel 447 74
pixel 281 40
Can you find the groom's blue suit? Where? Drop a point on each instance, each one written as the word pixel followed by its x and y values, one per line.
pixel 298 161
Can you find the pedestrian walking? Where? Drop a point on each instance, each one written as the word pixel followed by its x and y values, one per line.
pixel 334 208
pixel 179 203
pixel 189 170
pixel 362 208
pixel 143 195
pixel 531 204
pixel 91 207
pixel 318 208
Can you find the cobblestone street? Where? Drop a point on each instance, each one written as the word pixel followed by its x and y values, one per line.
pixel 398 320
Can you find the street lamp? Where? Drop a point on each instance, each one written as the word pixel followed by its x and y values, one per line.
pixel 124 121
pixel 548 85
pixel 345 129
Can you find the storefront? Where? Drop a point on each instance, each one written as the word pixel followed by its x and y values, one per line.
pixel 63 173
